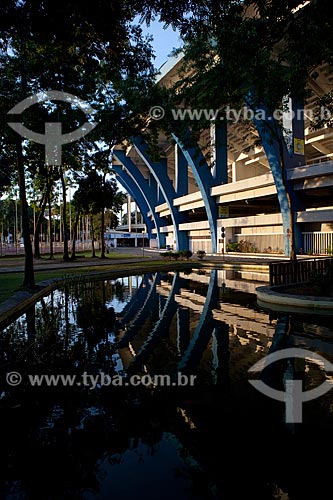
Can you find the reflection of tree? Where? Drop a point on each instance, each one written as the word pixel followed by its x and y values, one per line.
pixel 119 291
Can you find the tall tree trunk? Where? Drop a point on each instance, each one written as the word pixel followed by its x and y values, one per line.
pixel 50 225
pixel 64 218
pixel 102 235
pixel 40 217
pixel 42 209
pixel 29 276
pixel 77 219
pixel 92 236
pixel 103 221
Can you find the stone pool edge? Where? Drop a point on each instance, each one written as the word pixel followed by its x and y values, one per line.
pixel 270 295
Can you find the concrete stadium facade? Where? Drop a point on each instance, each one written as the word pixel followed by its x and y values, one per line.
pixel 186 199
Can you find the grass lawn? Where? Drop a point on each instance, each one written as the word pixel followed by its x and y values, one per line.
pixel 11 282
pixel 59 256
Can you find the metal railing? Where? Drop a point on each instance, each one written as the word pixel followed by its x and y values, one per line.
pixel 299 271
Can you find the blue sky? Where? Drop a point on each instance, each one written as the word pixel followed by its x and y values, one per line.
pixel 165 40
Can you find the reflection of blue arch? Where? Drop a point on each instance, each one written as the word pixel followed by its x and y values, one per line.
pixel 159 171
pixel 205 181
pixel 183 329
pixel 221 354
pixel 131 187
pixel 131 308
pixel 141 186
pixel 272 374
pixel 160 328
pixel 203 330
pixel 142 314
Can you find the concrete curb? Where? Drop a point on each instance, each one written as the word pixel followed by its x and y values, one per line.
pixel 271 297
pixel 237 266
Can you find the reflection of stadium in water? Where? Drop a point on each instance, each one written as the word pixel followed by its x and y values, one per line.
pixel 159 442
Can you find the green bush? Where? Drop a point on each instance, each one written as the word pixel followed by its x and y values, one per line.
pixel 186 254
pixel 233 247
pixel 201 254
pixel 242 246
pixel 166 255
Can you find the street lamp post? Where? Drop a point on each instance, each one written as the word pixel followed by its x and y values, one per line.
pixel 223 240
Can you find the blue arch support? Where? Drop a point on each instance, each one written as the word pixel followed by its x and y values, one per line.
pixel 161 327
pixel 204 329
pixel 276 150
pixel 159 171
pixel 181 172
pixel 205 181
pixel 141 186
pixel 219 151
pixel 131 308
pixel 142 313
pixel 131 187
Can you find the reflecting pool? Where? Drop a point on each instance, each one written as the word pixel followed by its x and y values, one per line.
pixel 138 387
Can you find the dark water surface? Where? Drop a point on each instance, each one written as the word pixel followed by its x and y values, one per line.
pixel 90 438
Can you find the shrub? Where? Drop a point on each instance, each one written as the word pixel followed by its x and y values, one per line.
pixel 247 247
pixel 186 254
pixel 233 247
pixel 243 246
pixel 166 255
pixel 201 254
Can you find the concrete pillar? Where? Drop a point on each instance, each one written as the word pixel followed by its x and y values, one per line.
pixel 233 172
pixel 129 220
pixel 181 172
pixel 298 133
pixel 136 224
pixel 218 148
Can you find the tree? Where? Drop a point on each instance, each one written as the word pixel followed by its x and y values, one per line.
pixel 71 47
pixel 95 194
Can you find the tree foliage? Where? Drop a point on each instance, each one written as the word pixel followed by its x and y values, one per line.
pixel 97 54
pixel 266 48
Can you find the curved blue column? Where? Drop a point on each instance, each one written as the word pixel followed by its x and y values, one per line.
pixel 181 172
pixel 141 186
pixel 131 187
pixel 159 171
pixel 274 146
pixel 161 328
pixel 141 315
pixel 131 308
pixel 205 181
